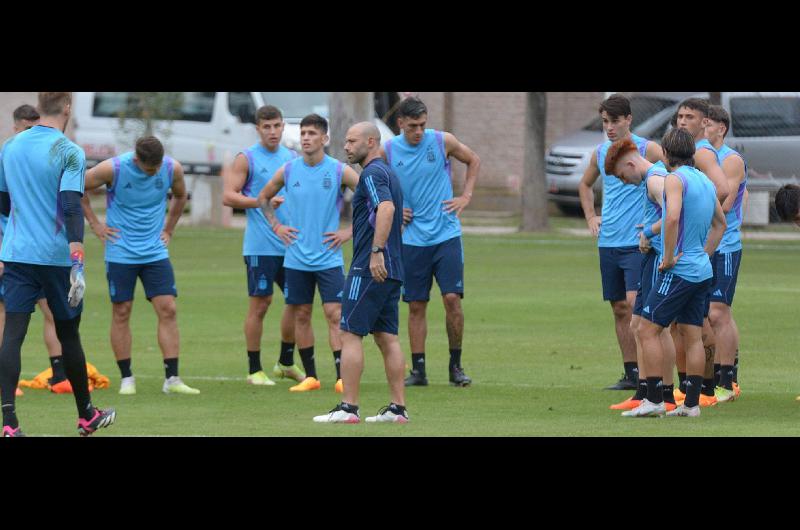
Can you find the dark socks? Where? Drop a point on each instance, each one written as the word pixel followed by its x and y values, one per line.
pixel 736 368
pixel 10 416
pixel 641 390
pixel 307 356
pixel 455 358
pixel 125 368
pixel 708 387
pixel 726 377
pixel 716 374
pixel 668 395
pixel 171 367
pixel 347 407
pixel 75 364
pixel 57 364
pixel 337 360
pixel 655 392
pixel 418 362
pixel 694 384
pixel 254 359
pixel 10 363
pixel 631 371
pixel 287 353
pixel 682 382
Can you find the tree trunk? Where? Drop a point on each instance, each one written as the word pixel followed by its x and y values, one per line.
pixel 534 186
pixel 347 109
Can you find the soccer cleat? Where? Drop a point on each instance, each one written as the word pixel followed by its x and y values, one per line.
pixel 670 406
pixel 691 412
pixel 723 394
pixel 339 386
pixel 628 404
pixel 459 378
pixel 416 378
pixel 260 379
pixel 127 386
pixel 389 414
pixel 62 387
pixel 288 372
pixel 625 383
pixel 707 401
pixel 736 389
pixel 309 383
pixel 174 385
pixel 19 392
pixel 679 396
pixel 338 415
pixel 100 420
pixel 9 432
pixel 646 409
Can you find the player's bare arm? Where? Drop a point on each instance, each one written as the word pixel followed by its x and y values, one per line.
pixel 586 193
pixel 654 153
pixel 265 196
pixel 718 226
pixel 99 175
pixel 706 162
pixel 464 154
pixel 233 181
pixel 177 204
pixel 383 226
pixel 733 167
pixel 338 238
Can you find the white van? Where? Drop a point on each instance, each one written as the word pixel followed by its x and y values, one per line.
pixel 207 129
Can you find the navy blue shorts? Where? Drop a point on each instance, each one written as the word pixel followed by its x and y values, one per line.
pixel 370 307
pixel 262 272
pixel 673 298
pixel 23 285
pixel 444 261
pixel 620 269
pixel 3 292
pixel 726 273
pixel 649 274
pixel 300 285
pixel 157 277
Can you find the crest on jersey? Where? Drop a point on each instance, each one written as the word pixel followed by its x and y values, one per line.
pixel 431 155
pixel 327 182
pixel 159 183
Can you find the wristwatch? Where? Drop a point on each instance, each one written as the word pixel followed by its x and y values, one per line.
pixel 376 249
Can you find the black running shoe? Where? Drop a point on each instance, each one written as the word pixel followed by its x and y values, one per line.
pixel 416 378
pixel 100 420
pixel 625 383
pixel 459 378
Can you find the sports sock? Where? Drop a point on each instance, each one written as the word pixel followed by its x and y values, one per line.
pixel 641 390
pixel 736 368
pixel 631 371
pixel 347 407
pixel 708 387
pixel 418 363
pixel 171 367
pixel 125 367
pixel 694 384
pixel 11 364
pixel 716 374
pixel 10 416
pixel 682 382
pixel 254 359
pixel 57 364
pixel 455 358
pixel 726 377
pixel 655 393
pixel 287 353
pixel 397 409
pixel 337 360
pixel 668 395
pixel 307 356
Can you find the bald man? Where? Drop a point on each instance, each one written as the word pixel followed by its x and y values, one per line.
pixel 372 290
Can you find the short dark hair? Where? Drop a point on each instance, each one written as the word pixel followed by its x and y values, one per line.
pixel 719 114
pixel 787 202
pixel 268 112
pixel 616 106
pixel 411 107
pixel 315 120
pixel 699 104
pixel 53 103
pixel 149 150
pixel 678 146
pixel 26 112
pixel 673 121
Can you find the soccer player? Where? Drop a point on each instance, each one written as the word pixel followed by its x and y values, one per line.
pixel 692 226
pixel 25 117
pixel 728 257
pixel 136 239
pixel 432 245
pixel 625 162
pixel 313 185
pixel 616 229
pixel 693 117
pixel 263 250
pixel 373 284
pixel 42 176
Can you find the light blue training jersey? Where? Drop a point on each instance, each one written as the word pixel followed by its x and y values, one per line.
pixel 652 210
pixel 137 207
pixel 315 196
pixel 732 239
pixel 38 164
pixel 697 212
pixel 425 176
pixel 622 203
pixel 259 239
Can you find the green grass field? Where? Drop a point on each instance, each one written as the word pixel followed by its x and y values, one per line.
pixel 539 345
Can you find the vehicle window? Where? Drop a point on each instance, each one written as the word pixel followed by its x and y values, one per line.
pixel 642 109
pixel 241 105
pixel 298 104
pixel 185 106
pixel 765 116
